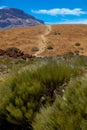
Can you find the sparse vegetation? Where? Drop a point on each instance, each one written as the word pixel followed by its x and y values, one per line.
pixel 68 55
pixel 68 112
pixel 43 93
pixel 26 38
pixel 56 33
pixel 34 49
pixel 30 88
pixel 76 52
pixel 12 49
pixel 81 48
pixel 50 47
pixel 77 44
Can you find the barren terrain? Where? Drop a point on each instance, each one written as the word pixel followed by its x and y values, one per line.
pixel 62 38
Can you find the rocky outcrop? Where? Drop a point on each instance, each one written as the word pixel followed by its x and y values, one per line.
pixel 15 53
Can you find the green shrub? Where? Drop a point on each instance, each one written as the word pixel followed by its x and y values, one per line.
pixel 68 55
pixel 68 112
pixel 79 61
pixel 12 49
pixel 81 48
pixel 29 88
pixel 56 33
pixel 52 75
pixel 77 44
pixel 35 49
pixel 19 97
pixel 49 47
pixel 76 52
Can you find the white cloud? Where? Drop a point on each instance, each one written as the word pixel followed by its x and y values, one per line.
pixel 76 21
pixel 67 21
pixel 2 7
pixel 61 11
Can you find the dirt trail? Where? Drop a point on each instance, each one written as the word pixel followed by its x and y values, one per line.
pixel 43 41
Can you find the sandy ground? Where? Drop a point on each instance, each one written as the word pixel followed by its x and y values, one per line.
pixel 61 37
pixel 43 40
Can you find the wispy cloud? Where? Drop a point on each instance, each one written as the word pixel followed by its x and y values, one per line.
pixel 60 11
pixel 76 21
pixel 2 7
pixel 67 21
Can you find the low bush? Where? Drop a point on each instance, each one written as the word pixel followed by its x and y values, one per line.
pixel 68 112
pixel 35 49
pixel 10 49
pixel 81 48
pixel 76 52
pixel 49 47
pixel 56 33
pixel 77 44
pixel 68 55
pixel 79 61
pixel 19 99
pixel 26 90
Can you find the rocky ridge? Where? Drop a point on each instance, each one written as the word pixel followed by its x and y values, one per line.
pixel 11 17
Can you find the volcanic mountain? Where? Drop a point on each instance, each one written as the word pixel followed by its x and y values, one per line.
pixel 12 17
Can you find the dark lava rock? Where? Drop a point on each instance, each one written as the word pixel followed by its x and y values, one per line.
pixel 15 53
pixel 2 52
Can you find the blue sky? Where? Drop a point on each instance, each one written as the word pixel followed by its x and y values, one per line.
pixel 52 11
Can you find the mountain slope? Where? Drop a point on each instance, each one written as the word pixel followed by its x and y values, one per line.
pixel 11 17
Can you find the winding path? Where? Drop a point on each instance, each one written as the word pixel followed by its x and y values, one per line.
pixel 43 41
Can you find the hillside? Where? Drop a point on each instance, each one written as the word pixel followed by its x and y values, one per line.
pixel 37 40
pixel 12 17
pixel 41 93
